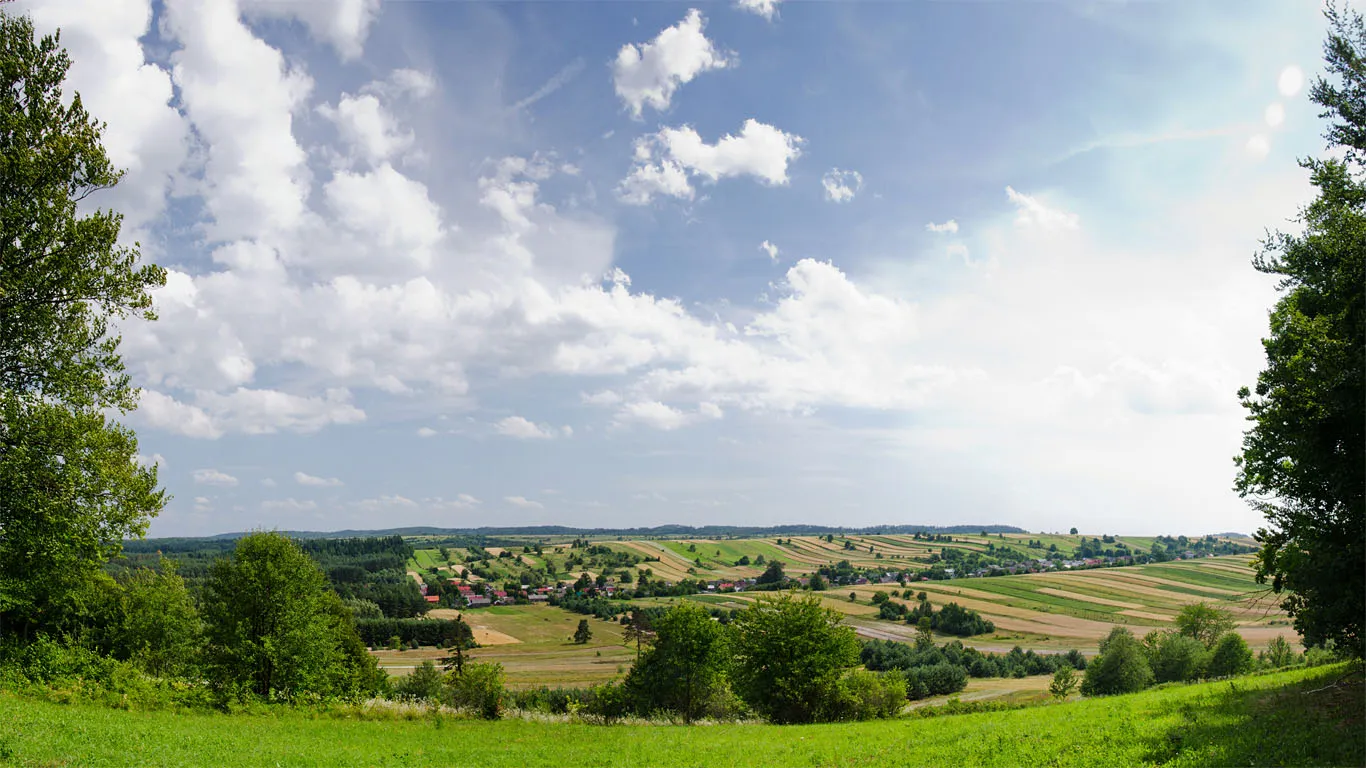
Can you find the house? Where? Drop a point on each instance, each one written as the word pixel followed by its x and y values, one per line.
pixel 539 598
pixel 500 597
pixel 477 600
pixel 432 598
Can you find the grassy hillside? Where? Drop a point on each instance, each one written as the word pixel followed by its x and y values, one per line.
pixel 1288 718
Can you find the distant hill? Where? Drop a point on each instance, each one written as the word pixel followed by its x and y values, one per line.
pixel 671 531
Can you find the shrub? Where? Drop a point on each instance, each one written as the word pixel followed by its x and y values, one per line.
pixel 1231 656
pixel 423 684
pixel 863 695
pixel 479 686
pixel 1177 658
pixel 935 680
pixel 1121 667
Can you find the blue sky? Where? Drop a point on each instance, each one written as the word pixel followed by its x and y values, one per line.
pixel 611 264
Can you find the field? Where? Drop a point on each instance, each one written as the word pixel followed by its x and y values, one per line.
pixel 702 558
pixel 534 643
pixel 1288 718
pixel 1075 609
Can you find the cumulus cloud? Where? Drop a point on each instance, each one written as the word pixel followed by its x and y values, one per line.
pixel 426 432
pixel 523 429
pixel 668 160
pixel 343 24
pixel 523 502
pixel 770 249
pixel 1032 213
pixel 247 411
pixel 317 482
pixel 648 74
pixel 841 186
pixel 288 505
pixel 950 226
pixel 214 477
pixel 657 415
pixel 766 8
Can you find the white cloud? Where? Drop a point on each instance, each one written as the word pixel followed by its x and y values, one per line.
pixel 666 160
pixel 649 73
pixel 766 8
pixel 1258 146
pixel 841 186
pixel 317 482
pixel 1290 81
pixel 657 415
pixel 269 482
pixel 522 429
pixel 605 397
pixel 522 502
pixel 556 82
pixel 145 134
pixel 426 432
pixel 343 24
pixel 155 460
pixel 384 503
pixel 369 128
pixel 213 477
pixel 246 411
pixel 1030 212
pixel 386 209
pixel 770 249
pixel 241 96
pixel 950 226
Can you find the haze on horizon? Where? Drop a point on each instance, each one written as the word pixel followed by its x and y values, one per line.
pixel 631 264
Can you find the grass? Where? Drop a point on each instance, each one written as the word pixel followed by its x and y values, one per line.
pixel 1288 718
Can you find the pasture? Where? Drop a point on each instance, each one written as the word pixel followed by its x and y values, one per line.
pixel 1286 718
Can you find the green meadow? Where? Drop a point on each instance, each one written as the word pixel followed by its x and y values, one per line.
pixel 1296 717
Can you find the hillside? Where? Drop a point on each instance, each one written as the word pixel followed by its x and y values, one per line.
pixel 1287 718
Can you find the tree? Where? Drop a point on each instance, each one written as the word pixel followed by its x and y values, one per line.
pixel 584 633
pixel 817 583
pixel 773 574
pixel 1064 682
pixel 1073 531
pixel 639 631
pixel 1231 656
pixel 1301 463
pixel 1203 622
pixel 159 628
pixel 274 627
pixel 685 668
pixel 423 684
pixel 1176 657
pixel 479 687
pixel 70 490
pixel 1121 667
pixel 788 655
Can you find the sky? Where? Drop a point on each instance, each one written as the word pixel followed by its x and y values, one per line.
pixel 628 264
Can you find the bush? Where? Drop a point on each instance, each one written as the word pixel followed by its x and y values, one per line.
pixel 1177 658
pixel 478 687
pixel 863 695
pixel 954 619
pixel 1231 656
pixel 606 702
pixel 1121 667
pixel 424 684
pixel 935 680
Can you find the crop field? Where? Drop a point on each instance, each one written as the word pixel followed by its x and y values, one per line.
pixel 535 645
pixel 1070 609
pixel 1287 718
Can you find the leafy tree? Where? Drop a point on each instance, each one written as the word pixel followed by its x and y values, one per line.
pixel 422 684
pixel 1176 657
pixel 479 686
pixel 880 597
pixel 274 627
pixel 789 654
pixel 1073 532
pixel 70 490
pixel 817 583
pixel 1121 667
pixel 685 668
pixel 584 633
pixel 1301 463
pixel 1231 656
pixel 1279 653
pixel 1203 622
pixel 1064 682
pixel 159 628
pixel 773 574
pixel 639 631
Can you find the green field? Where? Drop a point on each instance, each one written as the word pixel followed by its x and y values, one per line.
pixel 1288 718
